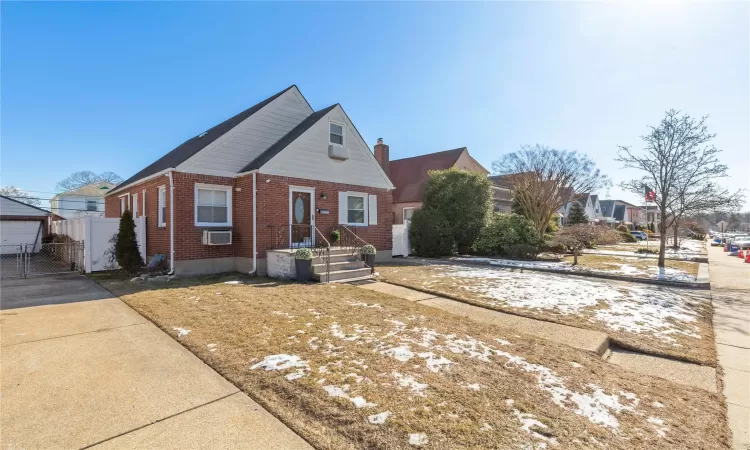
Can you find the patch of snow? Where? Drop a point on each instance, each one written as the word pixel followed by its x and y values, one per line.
pixel 411 383
pixel 485 427
pixel 434 363
pixel 181 331
pixel 211 347
pixel 341 391
pixel 502 341
pixel 285 314
pixel 295 375
pixel 380 418
pixel 659 426
pixel 364 305
pixel 418 439
pixel 528 421
pixel 312 342
pixel 280 362
pixel 233 282
pixel 621 308
pixel 473 386
pixel 402 353
pixel 657 405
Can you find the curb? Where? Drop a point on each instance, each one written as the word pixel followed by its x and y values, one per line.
pixel 681 284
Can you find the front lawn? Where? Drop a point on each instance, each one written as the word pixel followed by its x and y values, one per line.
pixel 637 267
pixel 653 319
pixel 351 368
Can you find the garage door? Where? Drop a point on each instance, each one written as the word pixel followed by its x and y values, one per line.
pixel 16 232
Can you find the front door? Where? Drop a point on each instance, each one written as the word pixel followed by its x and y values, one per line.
pixel 301 226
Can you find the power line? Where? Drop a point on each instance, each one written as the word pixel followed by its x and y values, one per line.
pixel 16 197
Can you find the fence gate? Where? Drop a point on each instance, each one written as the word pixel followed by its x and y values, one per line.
pixel 11 261
pixel 53 257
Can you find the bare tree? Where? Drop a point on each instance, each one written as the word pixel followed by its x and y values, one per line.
pixel 20 195
pixel 680 165
pixel 580 236
pixel 544 180
pixel 85 177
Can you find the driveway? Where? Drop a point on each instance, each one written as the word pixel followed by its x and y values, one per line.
pixel 81 369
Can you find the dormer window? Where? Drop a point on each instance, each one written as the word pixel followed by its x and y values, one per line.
pixel 336 133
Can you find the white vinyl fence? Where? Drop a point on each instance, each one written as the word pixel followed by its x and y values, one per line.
pixel 95 232
pixel 401 244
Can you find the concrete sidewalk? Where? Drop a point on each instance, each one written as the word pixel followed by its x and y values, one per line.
pixel 79 374
pixel 730 294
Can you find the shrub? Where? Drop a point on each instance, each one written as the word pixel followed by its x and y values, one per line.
pixel 430 234
pixel 335 236
pixel 126 245
pixel 304 254
pixel 502 231
pixel 622 229
pixel 368 249
pixel 648 250
pixel 576 237
pixel 627 237
pixel 464 199
pixel 523 251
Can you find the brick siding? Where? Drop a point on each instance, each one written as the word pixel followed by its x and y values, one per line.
pixel 272 207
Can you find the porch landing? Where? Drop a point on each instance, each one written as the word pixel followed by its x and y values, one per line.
pixel 343 265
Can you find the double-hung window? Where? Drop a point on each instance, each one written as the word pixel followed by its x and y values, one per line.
pixel 135 206
pixel 336 133
pixel 213 205
pixel 124 203
pixel 91 205
pixel 162 206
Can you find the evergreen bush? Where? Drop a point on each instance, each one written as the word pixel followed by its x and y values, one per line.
pixel 430 234
pixel 126 245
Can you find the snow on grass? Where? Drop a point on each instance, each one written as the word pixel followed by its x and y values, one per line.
pixel 530 424
pixel 181 332
pixel 285 314
pixel 379 419
pixel 634 309
pixel 280 362
pixel 418 439
pixel 659 426
pixel 211 347
pixel 623 269
pixel 472 386
pixel 341 391
pixel 364 305
pixel 575 365
pixel 408 381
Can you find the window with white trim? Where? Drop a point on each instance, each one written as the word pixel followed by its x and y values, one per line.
pixel 162 207
pixel 408 212
pixel 336 133
pixel 356 205
pixel 124 203
pixel 91 205
pixel 135 206
pixel 213 205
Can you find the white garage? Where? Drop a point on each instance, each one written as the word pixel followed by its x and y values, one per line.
pixel 20 224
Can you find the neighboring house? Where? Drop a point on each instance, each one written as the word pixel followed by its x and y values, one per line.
pixel 502 193
pixel 653 214
pixel 591 206
pixel 84 201
pixel 21 224
pixel 409 175
pixel 619 212
pixel 275 176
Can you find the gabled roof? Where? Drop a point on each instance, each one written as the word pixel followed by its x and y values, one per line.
pixel 198 143
pixel 619 212
pixel 90 190
pixel 502 181
pixel 288 138
pixel 24 204
pixel 608 207
pixel 409 175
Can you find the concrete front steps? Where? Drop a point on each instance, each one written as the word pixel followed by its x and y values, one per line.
pixel 344 266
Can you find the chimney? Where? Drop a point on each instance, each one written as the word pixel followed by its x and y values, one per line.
pixel 382 155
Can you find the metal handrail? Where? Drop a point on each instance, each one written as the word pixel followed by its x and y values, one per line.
pixel 327 257
pixel 355 249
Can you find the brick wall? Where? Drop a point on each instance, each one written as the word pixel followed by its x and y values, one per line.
pixel 398 210
pixel 273 210
pixel 157 238
pixel 273 214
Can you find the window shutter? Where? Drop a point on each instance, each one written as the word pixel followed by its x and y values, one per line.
pixel 343 207
pixel 373 209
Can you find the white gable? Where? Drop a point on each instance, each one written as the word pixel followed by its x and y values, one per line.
pixel 239 146
pixel 12 208
pixel 307 157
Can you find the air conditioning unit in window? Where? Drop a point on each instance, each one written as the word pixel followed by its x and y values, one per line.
pixel 217 237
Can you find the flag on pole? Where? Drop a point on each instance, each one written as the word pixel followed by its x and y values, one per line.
pixel 650 194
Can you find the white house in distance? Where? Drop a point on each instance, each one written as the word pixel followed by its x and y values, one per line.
pixel 84 201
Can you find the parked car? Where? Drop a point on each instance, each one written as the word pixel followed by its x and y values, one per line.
pixel 640 235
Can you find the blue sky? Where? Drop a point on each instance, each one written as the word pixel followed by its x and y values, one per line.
pixel 113 86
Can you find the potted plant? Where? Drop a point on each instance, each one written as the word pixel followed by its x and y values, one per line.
pixel 335 236
pixel 303 264
pixel 368 256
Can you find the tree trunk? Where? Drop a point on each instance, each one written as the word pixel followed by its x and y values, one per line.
pixel 662 235
pixel 575 256
pixel 675 244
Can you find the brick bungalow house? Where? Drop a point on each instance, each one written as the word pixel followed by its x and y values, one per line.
pixel 276 176
pixel 409 175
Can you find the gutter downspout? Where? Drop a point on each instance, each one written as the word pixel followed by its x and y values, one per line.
pixel 171 222
pixel 255 234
